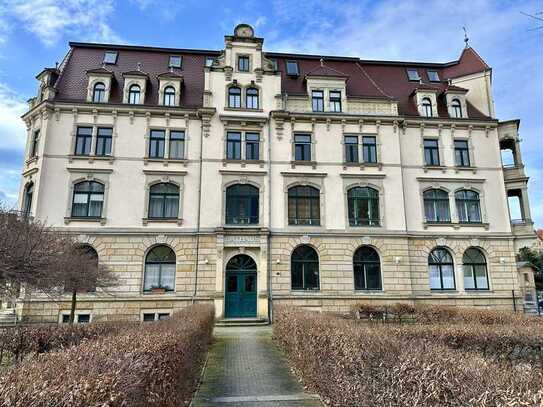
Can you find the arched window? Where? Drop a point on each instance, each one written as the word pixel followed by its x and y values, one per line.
pixel 163 201
pixel 441 267
pixel 427 107
pixel 475 271
pixel 367 269
pixel 159 269
pixel 234 96
pixel 304 206
pixel 99 92
pixel 468 206
pixel 241 204
pixel 169 96
pixel 304 266
pixel 436 206
pixel 134 94
pixel 363 205
pixel 27 199
pixel 88 200
pixel 251 98
pixel 456 108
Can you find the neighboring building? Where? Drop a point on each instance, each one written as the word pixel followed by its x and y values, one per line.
pixel 249 178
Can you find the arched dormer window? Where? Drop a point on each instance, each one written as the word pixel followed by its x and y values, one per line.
pixel 99 92
pixel 251 98
pixel 234 96
pixel 169 96
pixel 134 94
pixel 456 108
pixel 427 107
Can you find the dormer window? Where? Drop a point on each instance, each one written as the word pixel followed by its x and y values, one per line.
pixel 98 92
pixel 433 76
pixel 110 57
pixel 234 97
pixel 175 61
pixel 251 101
pixel 427 107
pixel 243 63
pixel 169 96
pixel 413 74
pixel 335 101
pixel 456 109
pixel 134 95
pixel 274 64
pixel 317 100
pixel 209 61
pixel 292 68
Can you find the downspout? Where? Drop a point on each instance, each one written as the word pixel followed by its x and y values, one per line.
pixel 198 211
pixel 405 212
pixel 270 291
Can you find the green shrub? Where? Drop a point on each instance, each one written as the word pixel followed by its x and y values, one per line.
pixel 354 364
pixel 151 364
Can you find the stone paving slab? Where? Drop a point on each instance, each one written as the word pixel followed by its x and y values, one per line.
pixel 245 368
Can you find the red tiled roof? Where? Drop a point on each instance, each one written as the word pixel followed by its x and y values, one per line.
pixel 173 75
pixel 453 88
pixel 100 70
pixel 368 79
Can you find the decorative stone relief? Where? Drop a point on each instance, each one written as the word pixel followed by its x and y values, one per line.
pixel 161 239
pixel 366 240
pixel 441 241
pixel 305 239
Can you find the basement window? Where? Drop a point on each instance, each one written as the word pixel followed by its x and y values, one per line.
pixel 110 57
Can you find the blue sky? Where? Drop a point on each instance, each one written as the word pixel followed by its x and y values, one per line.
pixel 35 33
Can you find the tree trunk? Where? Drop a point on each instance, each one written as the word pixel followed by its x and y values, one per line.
pixel 72 310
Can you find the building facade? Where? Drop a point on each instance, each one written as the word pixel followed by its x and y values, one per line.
pixel 249 179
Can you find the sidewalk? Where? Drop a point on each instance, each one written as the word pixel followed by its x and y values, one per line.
pixel 245 368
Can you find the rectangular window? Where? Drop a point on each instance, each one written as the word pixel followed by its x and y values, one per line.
pixel 302 147
pixel 233 145
pixel 351 149
pixel 335 101
pixel 369 149
pixel 103 141
pixel 175 61
pixel 83 318
pixel 209 61
pixel 461 153
pixel 83 141
pixel 292 68
pixel 317 100
pixel 252 146
pixel 156 143
pixel 148 317
pixel 110 57
pixel 433 76
pixel 177 145
pixel 431 152
pixel 243 63
pixel 34 146
pixel 413 74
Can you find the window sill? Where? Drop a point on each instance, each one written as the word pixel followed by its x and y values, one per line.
pixel 241 225
pixel 146 221
pixel 362 165
pixel 69 219
pixel 243 109
pixel 443 290
pixel 441 168
pixel 165 161
pixel 169 292
pixel 92 158
pixel 243 163
pixel 456 225
pixel 458 169
pixel 312 164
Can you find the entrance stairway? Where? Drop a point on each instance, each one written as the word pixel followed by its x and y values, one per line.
pixel 231 322
pixel 8 317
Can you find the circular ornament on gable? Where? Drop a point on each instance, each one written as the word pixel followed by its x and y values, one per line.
pixel 244 30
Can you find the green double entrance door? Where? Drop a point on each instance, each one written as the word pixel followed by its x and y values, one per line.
pixel 240 290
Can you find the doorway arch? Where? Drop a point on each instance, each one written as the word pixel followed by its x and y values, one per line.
pixel 240 288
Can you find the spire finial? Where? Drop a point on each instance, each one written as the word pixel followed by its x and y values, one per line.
pixel 466 38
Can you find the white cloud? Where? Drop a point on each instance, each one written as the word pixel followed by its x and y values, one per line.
pixel 51 20
pixel 12 128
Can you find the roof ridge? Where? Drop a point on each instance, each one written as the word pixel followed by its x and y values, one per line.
pixel 372 81
pixel 476 56
pixel 324 66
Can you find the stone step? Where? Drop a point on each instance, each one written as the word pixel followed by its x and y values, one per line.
pixel 233 322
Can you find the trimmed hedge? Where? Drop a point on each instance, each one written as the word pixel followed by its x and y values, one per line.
pixel 153 364
pixel 350 363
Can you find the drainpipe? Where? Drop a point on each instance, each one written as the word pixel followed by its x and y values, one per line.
pixel 270 299
pixel 198 211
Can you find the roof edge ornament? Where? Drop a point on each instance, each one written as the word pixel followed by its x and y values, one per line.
pixel 466 38
pixel 244 30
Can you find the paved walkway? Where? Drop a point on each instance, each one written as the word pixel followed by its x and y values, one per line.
pixel 245 368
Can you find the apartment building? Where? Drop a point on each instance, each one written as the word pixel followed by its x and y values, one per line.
pixel 249 179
